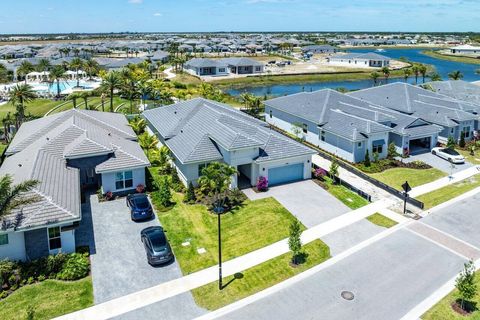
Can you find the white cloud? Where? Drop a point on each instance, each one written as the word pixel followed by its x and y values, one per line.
pixel 157 14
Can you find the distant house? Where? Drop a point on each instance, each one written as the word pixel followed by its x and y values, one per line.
pixel 465 49
pixel 360 60
pixel 243 65
pixel 118 64
pixel 201 131
pixel 159 56
pixel 454 116
pixel 318 49
pixel 72 154
pixel 206 67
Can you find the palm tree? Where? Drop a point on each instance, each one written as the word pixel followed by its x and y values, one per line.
pixel 13 197
pixel 76 64
pixel 406 73
pixel 374 76
pixel 423 71
pixel 19 95
pixel 138 125
pixel 144 90
pixel 57 73
pixel 455 75
pixel 129 89
pixel 216 178
pixel 148 142
pixel 24 69
pixel 435 77
pixel 85 95
pixel 110 83
pixel 91 68
pixel 386 73
pixel 416 72
pixel 7 121
pixel 3 73
pixel 43 65
pixel 74 96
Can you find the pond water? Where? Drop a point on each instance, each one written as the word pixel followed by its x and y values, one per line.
pixel 443 67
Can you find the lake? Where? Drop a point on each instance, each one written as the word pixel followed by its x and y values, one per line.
pixel 443 67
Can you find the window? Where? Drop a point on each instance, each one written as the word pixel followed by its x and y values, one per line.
pixel 378 149
pixel 322 135
pixel 123 180
pixel 258 68
pixel 451 130
pixel 271 113
pixel 305 128
pixel 221 70
pixel 359 145
pixel 54 240
pixel 200 168
pixel 466 132
pixel 3 239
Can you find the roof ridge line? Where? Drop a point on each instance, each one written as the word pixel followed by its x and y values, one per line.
pixel 103 122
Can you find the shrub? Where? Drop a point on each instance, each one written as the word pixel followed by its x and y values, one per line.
pixel 76 267
pixel 465 283
pixel 41 278
pixel 319 173
pixel 235 198
pixel 7 269
pixel 294 241
pixel 461 143
pixel 164 194
pixel 262 184
pixel 392 150
pixel 375 157
pixel 451 143
pixel 140 188
pixel 109 195
pixel 177 185
pixel 190 196
pixel 334 169
pixel 367 159
pixel 54 264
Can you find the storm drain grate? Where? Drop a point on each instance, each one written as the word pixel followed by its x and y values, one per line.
pixel 347 295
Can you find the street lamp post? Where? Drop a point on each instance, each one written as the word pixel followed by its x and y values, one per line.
pixel 218 209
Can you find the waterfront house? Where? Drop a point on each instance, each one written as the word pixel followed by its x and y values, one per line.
pixel 360 60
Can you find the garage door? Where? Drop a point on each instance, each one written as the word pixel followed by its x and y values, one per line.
pixel 285 174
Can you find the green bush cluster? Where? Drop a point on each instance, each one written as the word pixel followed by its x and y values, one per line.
pixel 15 274
pixel 385 164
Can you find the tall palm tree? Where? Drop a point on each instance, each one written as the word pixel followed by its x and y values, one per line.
pixel 386 73
pixel 423 71
pixel 374 76
pixel 110 83
pixel 91 68
pixel 25 68
pixel 7 121
pixel 76 64
pixel 43 65
pixel 57 73
pixel 13 196
pixel 216 178
pixel 3 73
pixel 138 125
pixel 144 90
pixel 129 89
pixel 148 142
pixel 435 77
pixel 73 96
pixel 416 72
pixel 455 75
pixel 406 74
pixel 85 95
pixel 19 95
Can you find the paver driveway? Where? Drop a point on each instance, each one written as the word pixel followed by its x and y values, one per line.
pixel 119 264
pixel 310 203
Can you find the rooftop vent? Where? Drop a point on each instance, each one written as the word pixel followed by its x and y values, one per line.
pixel 20 165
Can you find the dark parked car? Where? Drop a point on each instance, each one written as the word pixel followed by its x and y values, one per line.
pixel 156 245
pixel 140 207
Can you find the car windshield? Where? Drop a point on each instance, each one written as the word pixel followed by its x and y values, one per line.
pixel 158 240
pixel 142 203
pixel 451 152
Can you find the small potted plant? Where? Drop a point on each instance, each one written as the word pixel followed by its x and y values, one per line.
pixel 109 195
pixel 262 184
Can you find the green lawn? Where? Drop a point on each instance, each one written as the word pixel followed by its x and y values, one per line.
pixel 254 225
pixel 259 277
pixel 381 220
pixel 443 310
pixel 395 177
pixel 345 195
pixel 444 194
pixel 49 299
pixel 438 55
pixel 468 157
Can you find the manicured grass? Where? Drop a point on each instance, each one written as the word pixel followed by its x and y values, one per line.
pixel 442 56
pixel 252 226
pixel 444 194
pixel 468 157
pixel 443 310
pixel 49 299
pixel 345 195
pixel 395 177
pixel 381 220
pixel 38 107
pixel 259 277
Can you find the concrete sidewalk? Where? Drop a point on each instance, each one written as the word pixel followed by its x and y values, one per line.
pixel 169 289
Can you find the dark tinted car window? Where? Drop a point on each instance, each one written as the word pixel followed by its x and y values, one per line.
pixel 158 240
pixel 450 152
pixel 141 203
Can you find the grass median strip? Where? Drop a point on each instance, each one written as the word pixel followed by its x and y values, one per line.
pixel 253 225
pixel 381 220
pixel 443 309
pixel 49 299
pixel 397 176
pixel 345 195
pixel 444 194
pixel 259 277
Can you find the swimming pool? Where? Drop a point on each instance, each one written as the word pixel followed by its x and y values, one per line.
pixel 64 87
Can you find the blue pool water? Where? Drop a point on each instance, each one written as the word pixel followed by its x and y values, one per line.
pixel 443 67
pixel 63 85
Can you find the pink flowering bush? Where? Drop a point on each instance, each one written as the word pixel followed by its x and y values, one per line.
pixel 319 173
pixel 140 188
pixel 262 184
pixel 109 195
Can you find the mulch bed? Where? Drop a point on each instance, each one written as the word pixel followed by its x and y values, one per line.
pixel 469 308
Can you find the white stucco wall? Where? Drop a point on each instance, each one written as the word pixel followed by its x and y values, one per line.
pixel 108 179
pixel 15 249
pixel 261 169
pixel 311 137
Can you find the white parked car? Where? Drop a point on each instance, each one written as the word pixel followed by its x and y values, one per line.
pixel 449 155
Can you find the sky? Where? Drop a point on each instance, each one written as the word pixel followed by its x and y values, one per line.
pixel 65 16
